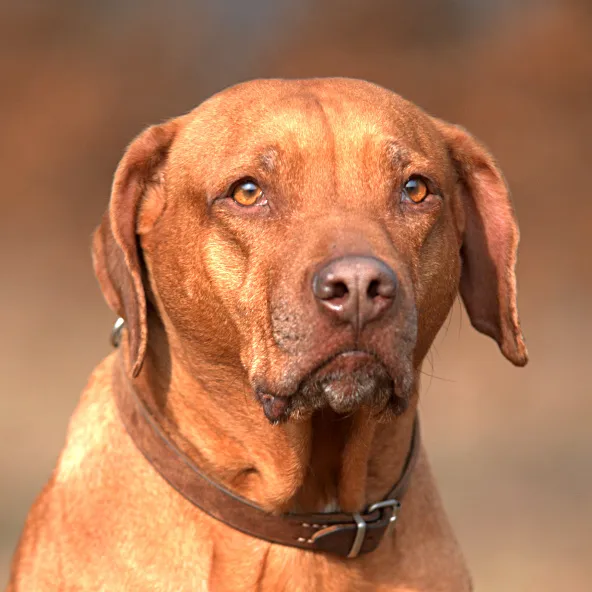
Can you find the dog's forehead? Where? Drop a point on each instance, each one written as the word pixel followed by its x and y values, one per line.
pixel 304 117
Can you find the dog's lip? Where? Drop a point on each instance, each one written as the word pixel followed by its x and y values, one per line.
pixel 347 360
pixel 339 366
pixel 354 353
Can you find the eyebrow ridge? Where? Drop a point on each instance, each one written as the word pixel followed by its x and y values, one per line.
pixel 268 158
pixel 397 154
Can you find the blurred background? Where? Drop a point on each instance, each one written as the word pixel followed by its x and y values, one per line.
pixel 512 448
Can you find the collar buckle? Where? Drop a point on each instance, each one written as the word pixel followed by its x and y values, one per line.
pixel 361 524
pixel 359 538
pixel 389 503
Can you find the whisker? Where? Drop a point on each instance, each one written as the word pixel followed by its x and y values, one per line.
pixel 437 377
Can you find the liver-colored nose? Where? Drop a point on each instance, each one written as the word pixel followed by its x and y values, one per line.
pixel 355 289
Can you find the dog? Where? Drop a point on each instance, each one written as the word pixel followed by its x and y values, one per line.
pixel 282 258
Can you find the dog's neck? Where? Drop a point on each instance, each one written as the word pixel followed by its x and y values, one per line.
pixel 324 463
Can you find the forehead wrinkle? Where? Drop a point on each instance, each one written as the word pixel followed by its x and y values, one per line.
pixel 264 159
pixel 400 158
pixel 396 156
pixel 268 159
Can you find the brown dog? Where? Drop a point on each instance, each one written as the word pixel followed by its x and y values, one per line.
pixel 283 256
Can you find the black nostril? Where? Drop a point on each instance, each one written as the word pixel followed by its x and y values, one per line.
pixel 373 289
pixel 327 287
pixel 339 290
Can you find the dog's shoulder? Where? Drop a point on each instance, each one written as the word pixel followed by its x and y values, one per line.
pixel 92 426
pixel 61 512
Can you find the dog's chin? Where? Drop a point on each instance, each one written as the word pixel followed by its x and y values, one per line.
pixel 344 392
pixel 344 383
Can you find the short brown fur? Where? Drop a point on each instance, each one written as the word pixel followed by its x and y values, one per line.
pixel 219 313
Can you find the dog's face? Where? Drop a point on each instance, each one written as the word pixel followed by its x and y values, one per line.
pixel 310 235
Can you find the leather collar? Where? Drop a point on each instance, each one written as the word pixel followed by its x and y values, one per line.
pixel 343 534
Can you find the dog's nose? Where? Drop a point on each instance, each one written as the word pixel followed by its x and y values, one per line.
pixel 355 289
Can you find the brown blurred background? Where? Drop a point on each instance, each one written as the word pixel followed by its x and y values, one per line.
pixel 512 448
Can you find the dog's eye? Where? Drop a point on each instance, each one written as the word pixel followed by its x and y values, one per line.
pixel 246 193
pixel 415 190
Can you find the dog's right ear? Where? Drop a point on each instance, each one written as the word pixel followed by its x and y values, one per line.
pixel 116 257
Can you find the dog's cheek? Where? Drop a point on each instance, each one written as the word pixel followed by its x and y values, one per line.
pixel 224 262
pixel 438 274
pixel 237 274
pixel 181 288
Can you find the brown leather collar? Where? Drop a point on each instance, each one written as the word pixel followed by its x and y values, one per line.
pixel 346 535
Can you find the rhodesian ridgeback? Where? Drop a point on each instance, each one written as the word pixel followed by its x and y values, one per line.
pixel 282 258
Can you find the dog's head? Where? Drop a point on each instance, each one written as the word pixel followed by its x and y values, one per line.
pixel 312 236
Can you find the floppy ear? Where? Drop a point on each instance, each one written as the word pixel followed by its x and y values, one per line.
pixel 116 257
pixel 490 243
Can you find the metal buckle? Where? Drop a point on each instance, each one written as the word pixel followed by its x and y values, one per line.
pixel 395 504
pixel 360 536
pixel 362 525
pixel 116 332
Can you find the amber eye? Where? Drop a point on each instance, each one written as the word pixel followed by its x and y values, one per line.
pixel 416 190
pixel 246 193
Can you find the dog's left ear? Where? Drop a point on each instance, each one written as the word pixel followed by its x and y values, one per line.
pixel 116 256
pixel 489 246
